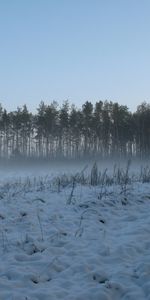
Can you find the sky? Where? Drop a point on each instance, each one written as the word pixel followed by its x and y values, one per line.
pixel 80 50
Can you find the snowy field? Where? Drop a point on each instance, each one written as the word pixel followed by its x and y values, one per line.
pixel 67 238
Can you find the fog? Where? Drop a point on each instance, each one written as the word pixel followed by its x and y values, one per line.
pixel 11 169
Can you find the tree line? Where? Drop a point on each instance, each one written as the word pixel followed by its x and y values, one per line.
pixel 104 130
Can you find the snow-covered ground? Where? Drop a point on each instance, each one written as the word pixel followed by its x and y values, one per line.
pixel 73 243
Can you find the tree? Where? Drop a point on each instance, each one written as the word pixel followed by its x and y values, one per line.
pixel 64 129
pixel 87 111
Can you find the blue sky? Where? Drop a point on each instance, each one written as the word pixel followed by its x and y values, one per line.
pixel 74 49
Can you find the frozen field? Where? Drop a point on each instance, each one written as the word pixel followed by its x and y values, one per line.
pixel 66 239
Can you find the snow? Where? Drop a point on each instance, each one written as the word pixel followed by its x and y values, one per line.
pixel 93 247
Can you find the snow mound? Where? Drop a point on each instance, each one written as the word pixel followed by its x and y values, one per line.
pixel 93 248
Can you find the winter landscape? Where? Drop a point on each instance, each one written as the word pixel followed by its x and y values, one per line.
pixel 74 150
pixel 75 235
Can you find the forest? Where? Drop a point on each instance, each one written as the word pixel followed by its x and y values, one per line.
pixel 103 130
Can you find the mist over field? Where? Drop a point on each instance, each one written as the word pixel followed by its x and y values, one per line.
pixel 23 168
